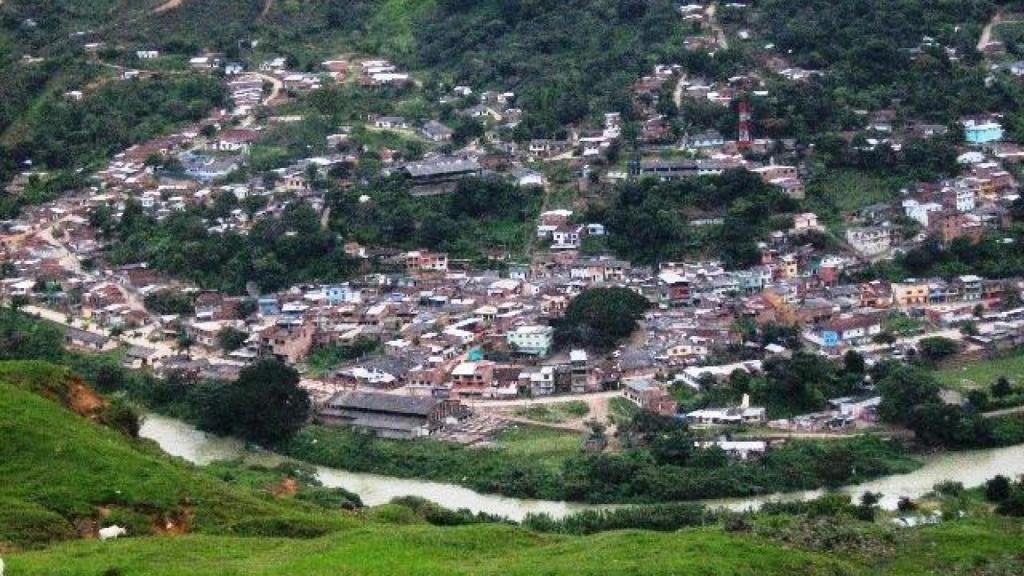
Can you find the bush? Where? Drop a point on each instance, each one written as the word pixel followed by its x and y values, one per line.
pixel 998 489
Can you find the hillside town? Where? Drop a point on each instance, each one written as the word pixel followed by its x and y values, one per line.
pixel 440 339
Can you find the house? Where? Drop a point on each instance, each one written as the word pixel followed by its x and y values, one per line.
pixel 806 221
pixel 534 340
pixel 388 415
pixel 471 379
pixel 910 293
pixel 846 330
pixel 85 340
pixel 538 382
pixel 676 169
pixel 567 236
pixel 919 211
pixel 527 177
pixel 288 342
pixel 147 54
pixel 426 261
pixel 436 132
pixel 734 416
pixel 236 140
pixel 441 174
pixel 710 139
pixel 546 148
pixel 736 449
pixel 391 122
pixel 870 240
pixel 650 396
pixel 982 132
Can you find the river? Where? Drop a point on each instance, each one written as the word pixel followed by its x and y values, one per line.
pixel 180 439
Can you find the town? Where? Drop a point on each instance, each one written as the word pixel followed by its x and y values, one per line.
pixel 503 286
pixel 424 343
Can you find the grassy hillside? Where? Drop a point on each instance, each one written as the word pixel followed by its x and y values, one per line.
pixel 58 470
pixel 60 473
pixel 410 550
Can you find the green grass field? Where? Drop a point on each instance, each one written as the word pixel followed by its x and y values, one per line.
pixel 983 374
pixel 57 469
pixel 554 413
pixel 541 445
pixel 621 410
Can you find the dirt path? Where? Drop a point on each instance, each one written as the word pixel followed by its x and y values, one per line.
pixel 278 86
pixel 267 5
pixel 1004 412
pixel 723 41
pixel 986 32
pixel 677 94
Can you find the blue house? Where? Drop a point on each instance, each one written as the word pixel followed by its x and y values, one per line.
pixel 983 132
pixel 268 306
pixel 341 293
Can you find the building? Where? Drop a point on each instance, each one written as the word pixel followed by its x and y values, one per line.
pixel 919 211
pixel 579 373
pixel 440 174
pixel 436 132
pixel 650 396
pixel 472 379
pixel 85 340
pixel 534 340
pixel 982 132
pixel 846 330
pixel 388 415
pixel 869 241
pixel 734 416
pixel 910 293
pixel 426 261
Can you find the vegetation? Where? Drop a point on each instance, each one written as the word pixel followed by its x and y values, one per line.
pixel 910 396
pixel 600 318
pixel 323 360
pixel 984 373
pixel 798 385
pixel 58 469
pixel 529 466
pixel 182 244
pixel 58 134
pixel 648 221
pixel 554 413
pixel 503 215
pixel 996 256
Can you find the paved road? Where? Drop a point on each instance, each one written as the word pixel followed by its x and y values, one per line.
pixel 163 348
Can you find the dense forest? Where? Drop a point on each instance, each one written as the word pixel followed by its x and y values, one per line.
pixel 650 221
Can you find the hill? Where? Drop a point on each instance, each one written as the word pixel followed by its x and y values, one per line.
pixel 59 471
pixel 62 475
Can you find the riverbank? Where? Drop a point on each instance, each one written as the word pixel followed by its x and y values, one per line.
pixel 177 438
pixel 535 463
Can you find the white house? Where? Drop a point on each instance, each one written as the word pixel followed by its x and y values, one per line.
pixel 919 211
pixel 535 340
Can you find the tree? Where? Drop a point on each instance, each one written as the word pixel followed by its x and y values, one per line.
pixel 266 404
pixel 1002 387
pixel 184 342
pixel 853 362
pixel 600 318
pixel 998 489
pixel 903 388
pixel 673 447
pixel 936 348
pixel 231 339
